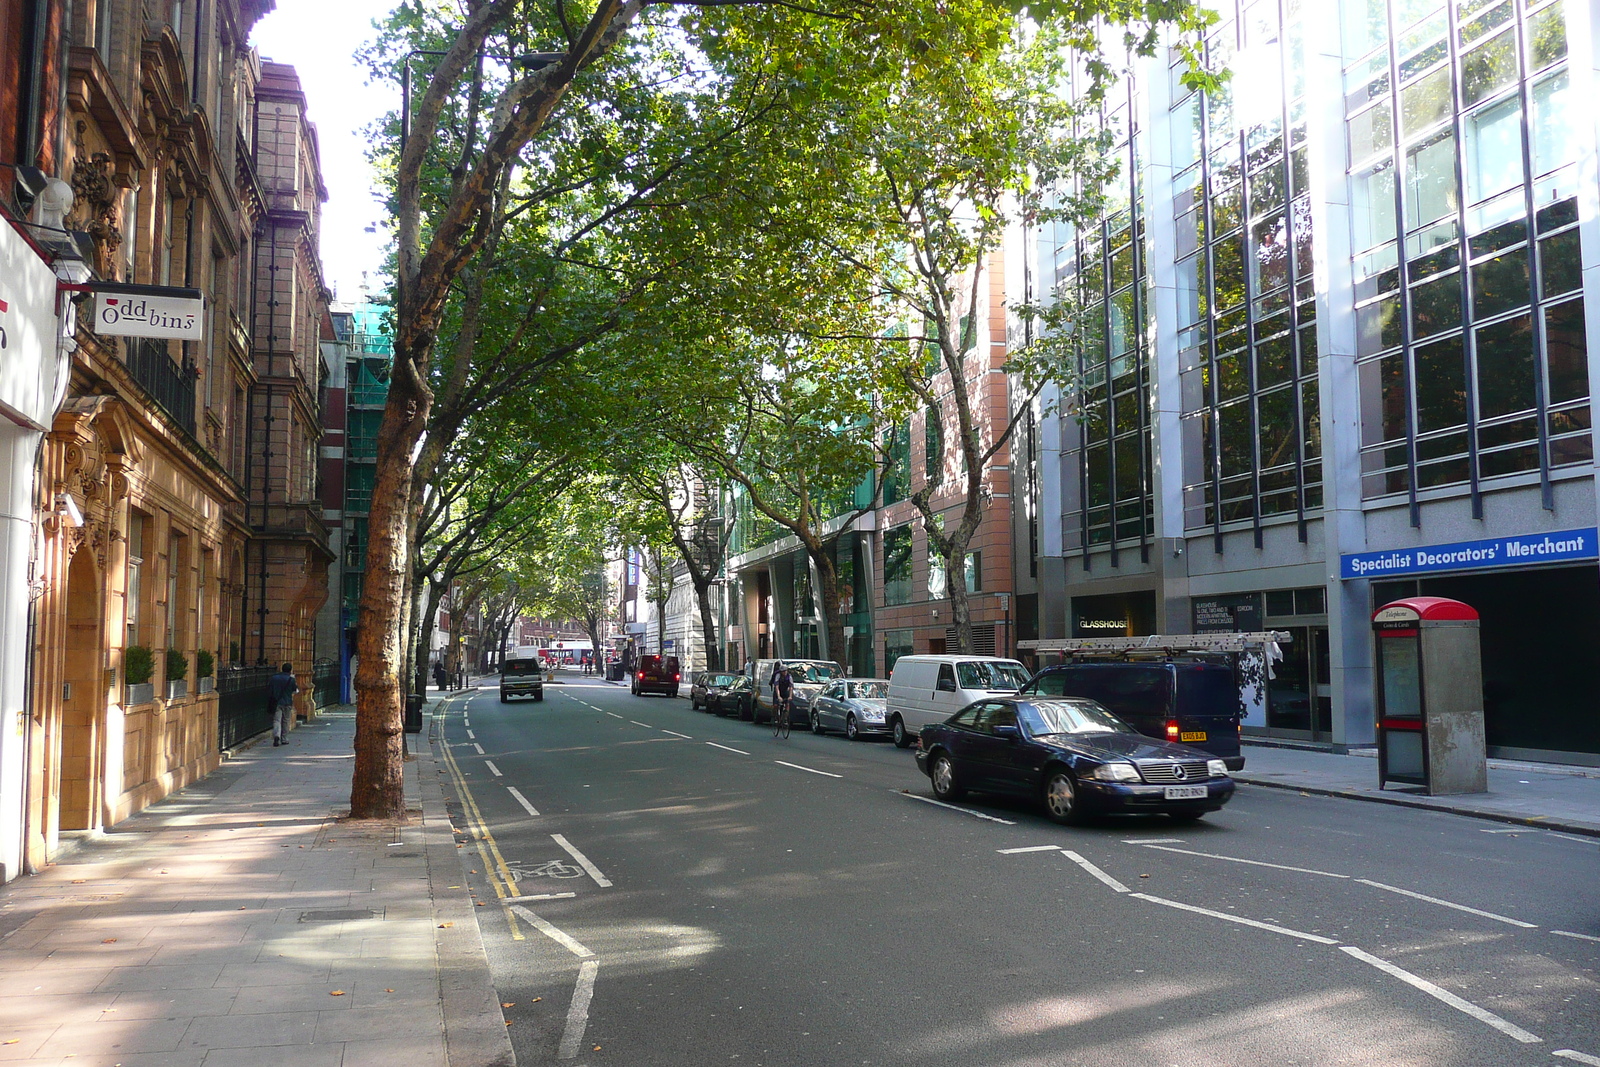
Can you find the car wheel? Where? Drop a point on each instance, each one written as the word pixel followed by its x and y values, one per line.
pixel 747 711
pixel 538 698
pixel 816 724
pixel 1061 796
pixel 851 730
pixel 902 736
pixel 946 786
pixel 502 698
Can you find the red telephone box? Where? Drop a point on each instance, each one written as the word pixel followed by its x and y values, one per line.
pixel 1430 696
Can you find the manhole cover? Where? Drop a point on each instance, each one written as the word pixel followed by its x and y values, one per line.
pixel 337 915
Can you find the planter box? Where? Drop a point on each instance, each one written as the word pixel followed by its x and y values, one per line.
pixel 143 693
pixel 178 690
pixel 208 684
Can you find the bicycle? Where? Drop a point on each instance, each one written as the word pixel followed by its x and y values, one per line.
pixel 780 716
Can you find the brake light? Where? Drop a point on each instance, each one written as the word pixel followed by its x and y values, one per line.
pixel 1172 729
pixel 677 677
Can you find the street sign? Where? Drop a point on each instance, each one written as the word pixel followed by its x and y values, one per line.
pixel 149 311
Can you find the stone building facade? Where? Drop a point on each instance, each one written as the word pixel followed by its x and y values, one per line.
pixel 171 469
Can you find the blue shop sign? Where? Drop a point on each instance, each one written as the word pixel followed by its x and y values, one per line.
pixel 1473 555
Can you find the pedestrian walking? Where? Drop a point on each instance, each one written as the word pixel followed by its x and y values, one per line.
pixel 439 678
pixel 280 694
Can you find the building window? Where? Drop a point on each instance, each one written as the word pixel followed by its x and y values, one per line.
pixel 1248 351
pixel 974 572
pixel 933 446
pixel 897 566
pixel 896 643
pixel 897 475
pixel 131 603
pixel 936 577
pixel 1468 307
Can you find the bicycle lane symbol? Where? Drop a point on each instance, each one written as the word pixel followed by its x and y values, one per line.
pixel 552 869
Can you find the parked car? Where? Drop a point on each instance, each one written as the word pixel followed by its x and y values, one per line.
pixel 929 689
pixel 854 705
pixel 809 675
pixel 736 699
pixel 656 674
pixel 1191 703
pixel 1071 754
pixel 521 677
pixel 704 683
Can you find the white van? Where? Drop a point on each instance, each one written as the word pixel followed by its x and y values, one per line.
pixel 929 689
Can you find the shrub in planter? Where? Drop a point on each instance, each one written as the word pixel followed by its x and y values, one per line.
pixel 205 664
pixel 138 664
pixel 177 665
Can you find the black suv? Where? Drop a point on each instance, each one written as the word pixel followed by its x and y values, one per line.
pixel 1194 704
pixel 656 674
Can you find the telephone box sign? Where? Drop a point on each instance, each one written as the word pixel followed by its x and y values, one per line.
pixel 1557 547
pixel 149 311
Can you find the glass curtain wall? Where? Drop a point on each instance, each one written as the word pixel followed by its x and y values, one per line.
pixel 1469 310
pixel 1247 300
pixel 1105 262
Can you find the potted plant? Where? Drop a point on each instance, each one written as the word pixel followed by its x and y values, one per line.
pixel 205 668
pixel 177 673
pixel 138 664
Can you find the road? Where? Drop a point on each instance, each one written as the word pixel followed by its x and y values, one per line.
pixel 665 887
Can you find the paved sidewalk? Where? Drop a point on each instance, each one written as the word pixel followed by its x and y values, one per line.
pixel 1548 795
pixel 242 922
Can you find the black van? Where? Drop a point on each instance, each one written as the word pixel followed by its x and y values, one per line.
pixel 1195 704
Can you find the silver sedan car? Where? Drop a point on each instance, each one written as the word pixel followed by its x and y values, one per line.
pixel 853 705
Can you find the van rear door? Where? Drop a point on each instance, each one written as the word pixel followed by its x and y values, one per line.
pixel 1207 709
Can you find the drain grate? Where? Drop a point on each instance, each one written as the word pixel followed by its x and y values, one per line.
pixel 338 915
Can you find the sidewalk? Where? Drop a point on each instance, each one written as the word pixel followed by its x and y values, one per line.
pixel 1553 796
pixel 242 922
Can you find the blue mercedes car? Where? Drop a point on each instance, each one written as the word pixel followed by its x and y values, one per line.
pixel 1073 755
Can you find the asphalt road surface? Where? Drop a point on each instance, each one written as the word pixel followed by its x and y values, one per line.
pixel 665 887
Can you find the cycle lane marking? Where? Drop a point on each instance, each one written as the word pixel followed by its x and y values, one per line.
pixel 578 1012
pixel 1237 859
pixel 675 733
pixel 520 799
pixel 538 896
pixel 1577 1057
pixel 1484 1015
pixel 1580 937
pixel 582 860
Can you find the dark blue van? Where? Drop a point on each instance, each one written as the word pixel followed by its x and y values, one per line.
pixel 1195 704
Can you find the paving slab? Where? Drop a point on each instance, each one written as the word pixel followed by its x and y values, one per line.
pixel 248 921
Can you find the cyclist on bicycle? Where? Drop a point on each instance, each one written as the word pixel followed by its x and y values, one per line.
pixel 782 697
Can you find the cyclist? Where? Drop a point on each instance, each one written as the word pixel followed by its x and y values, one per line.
pixel 782 699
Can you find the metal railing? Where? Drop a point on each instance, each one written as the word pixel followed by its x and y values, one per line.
pixel 169 384
pixel 243 704
pixel 325 683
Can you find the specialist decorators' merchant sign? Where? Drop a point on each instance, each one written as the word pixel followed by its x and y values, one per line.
pixel 1561 546
pixel 149 311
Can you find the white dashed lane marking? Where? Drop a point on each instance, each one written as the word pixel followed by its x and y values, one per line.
pixel 1096 871
pixel 956 807
pixel 1447 904
pixel 492 768
pixel 725 748
pixel 1511 1030
pixel 583 861
pixel 529 808
pixel 813 770
pixel 1270 927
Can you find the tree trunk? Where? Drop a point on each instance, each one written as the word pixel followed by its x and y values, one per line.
pixel 708 626
pixel 828 591
pixel 424 631
pixel 377 789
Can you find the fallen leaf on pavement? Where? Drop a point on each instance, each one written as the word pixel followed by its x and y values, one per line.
pixel 108 940
pixel 535 1000
pixel 336 993
pixel 388 991
pixel 512 1004
pixel 1144 876
pixel 443 925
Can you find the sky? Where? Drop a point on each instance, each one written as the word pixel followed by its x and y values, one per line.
pixel 319 38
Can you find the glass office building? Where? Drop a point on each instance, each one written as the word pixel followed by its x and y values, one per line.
pixel 1334 351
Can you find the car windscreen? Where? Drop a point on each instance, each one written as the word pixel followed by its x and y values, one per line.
pixel 513 668
pixel 1070 717
pixel 717 680
pixel 988 674
pixel 869 690
pixel 813 673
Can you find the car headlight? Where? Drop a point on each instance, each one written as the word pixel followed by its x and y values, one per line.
pixel 1116 772
pixel 872 714
pixel 1216 768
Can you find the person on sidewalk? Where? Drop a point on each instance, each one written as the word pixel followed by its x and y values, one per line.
pixel 280 693
pixel 439 679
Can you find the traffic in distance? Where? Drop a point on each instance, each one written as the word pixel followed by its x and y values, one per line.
pixel 1080 738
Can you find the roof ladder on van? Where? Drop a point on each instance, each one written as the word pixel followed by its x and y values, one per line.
pixel 1163 646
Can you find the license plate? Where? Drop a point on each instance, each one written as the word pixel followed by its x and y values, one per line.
pixel 1193 735
pixel 1186 792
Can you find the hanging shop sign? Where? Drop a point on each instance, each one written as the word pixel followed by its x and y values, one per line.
pixel 1521 550
pixel 149 311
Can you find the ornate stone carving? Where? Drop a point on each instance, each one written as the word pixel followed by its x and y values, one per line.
pixel 95 188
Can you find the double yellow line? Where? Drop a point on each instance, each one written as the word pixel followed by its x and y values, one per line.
pixel 494 864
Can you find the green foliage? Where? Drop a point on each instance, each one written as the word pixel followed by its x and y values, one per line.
pixel 177 665
pixel 138 664
pixel 205 663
